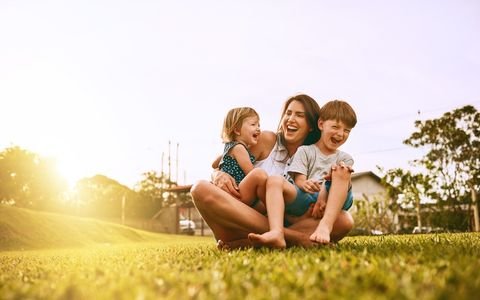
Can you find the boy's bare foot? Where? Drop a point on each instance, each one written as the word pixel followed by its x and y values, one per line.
pixel 272 239
pixel 321 235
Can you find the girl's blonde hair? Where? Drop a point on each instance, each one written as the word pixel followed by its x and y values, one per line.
pixel 233 121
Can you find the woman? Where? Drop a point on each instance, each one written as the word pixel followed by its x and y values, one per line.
pixel 231 220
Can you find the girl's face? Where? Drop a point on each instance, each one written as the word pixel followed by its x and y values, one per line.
pixel 249 131
pixel 294 124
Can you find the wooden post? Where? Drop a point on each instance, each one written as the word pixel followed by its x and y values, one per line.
pixel 123 208
pixel 475 210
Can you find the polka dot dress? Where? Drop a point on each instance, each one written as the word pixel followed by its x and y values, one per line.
pixel 230 165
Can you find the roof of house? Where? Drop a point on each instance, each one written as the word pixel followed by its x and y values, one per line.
pixel 179 189
pixel 368 173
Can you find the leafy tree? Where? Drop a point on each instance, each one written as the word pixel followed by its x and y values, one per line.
pixel 453 158
pixel 407 188
pixel 100 196
pixel 28 180
pixel 154 186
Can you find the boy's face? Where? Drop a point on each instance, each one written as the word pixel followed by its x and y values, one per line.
pixel 334 134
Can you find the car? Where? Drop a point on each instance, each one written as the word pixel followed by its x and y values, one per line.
pixel 187 226
pixel 427 229
pixel 364 231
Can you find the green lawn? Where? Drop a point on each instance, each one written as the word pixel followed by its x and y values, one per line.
pixel 438 266
pixel 444 266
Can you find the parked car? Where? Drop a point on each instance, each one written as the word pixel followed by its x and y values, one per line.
pixel 187 226
pixel 427 229
pixel 364 231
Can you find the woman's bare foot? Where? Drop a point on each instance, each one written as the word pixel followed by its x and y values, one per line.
pixel 235 244
pixel 272 239
pixel 321 235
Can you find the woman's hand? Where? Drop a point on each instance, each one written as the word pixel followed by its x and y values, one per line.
pixel 319 209
pixel 226 183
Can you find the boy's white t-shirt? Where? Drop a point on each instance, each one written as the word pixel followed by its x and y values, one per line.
pixel 310 161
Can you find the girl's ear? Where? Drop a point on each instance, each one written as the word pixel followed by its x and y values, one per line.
pixel 236 131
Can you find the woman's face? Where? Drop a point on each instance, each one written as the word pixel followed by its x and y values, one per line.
pixel 294 124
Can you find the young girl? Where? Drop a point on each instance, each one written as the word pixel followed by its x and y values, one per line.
pixel 241 129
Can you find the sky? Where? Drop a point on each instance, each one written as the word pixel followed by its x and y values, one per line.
pixel 103 86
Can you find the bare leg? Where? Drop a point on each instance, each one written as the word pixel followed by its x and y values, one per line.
pixel 342 226
pixel 231 220
pixel 336 198
pixel 253 187
pixel 228 218
pixel 277 190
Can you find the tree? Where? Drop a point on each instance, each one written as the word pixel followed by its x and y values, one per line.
pixel 100 196
pixel 28 180
pixel 409 188
pixel 453 158
pixel 154 187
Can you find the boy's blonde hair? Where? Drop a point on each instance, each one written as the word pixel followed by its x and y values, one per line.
pixel 338 110
pixel 233 121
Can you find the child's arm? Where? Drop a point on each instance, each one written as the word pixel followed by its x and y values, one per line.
pixel 216 162
pixel 306 185
pixel 240 153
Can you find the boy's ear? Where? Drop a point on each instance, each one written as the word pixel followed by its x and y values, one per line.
pixel 320 124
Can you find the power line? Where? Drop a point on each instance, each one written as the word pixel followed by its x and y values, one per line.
pixel 384 150
pixel 410 115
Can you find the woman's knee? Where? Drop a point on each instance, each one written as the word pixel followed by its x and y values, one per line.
pixel 346 221
pixel 201 192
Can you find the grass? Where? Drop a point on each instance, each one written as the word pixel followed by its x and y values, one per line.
pixel 27 230
pixel 439 266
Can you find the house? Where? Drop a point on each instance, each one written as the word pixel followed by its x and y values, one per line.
pixel 371 203
pixel 367 185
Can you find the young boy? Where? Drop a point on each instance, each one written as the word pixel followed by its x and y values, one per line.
pixel 308 168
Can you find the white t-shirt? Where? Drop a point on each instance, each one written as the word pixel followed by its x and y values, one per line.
pixel 276 162
pixel 310 161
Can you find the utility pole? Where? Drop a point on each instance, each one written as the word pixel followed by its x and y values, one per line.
pixel 176 167
pixel 162 173
pixel 475 210
pixel 169 166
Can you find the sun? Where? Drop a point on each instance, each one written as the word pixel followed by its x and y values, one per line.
pixel 71 170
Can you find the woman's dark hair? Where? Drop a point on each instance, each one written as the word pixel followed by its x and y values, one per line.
pixel 312 112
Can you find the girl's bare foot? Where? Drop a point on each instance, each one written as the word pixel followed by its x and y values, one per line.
pixel 321 235
pixel 272 239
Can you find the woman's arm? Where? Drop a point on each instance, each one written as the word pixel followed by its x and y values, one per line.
pixel 225 182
